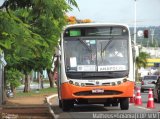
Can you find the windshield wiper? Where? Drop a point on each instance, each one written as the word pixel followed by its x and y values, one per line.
pixel 110 39
pixel 84 44
pixel 109 42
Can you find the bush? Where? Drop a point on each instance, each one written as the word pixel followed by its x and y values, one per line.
pixel 13 77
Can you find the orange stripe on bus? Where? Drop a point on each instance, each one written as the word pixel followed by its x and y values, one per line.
pixel 68 90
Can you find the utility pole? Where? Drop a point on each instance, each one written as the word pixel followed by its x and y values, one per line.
pixel 135 23
pixel 2 65
pixel 1 84
pixel 135 30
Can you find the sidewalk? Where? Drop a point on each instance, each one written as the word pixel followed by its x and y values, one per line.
pixel 37 99
pixel 29 107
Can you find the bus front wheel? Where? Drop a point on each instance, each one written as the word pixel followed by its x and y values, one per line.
pixel 60 103
pixel 67 104
pixel 124 104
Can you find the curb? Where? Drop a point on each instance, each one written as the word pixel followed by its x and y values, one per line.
pixel 49 105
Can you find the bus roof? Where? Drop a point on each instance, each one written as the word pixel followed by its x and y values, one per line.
pixel 96 24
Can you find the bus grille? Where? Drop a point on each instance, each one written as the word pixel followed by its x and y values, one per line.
pixel 106 92
pixel 89 84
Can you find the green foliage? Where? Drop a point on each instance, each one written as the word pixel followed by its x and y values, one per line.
pixel 13 77
pixel 141 60
pixel 29 32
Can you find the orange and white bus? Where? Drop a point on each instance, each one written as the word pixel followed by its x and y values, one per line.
pixel 95 65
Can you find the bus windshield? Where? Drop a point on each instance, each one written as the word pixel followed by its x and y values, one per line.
pixel 104 56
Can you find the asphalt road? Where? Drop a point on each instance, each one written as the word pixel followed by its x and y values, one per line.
pixel 99 111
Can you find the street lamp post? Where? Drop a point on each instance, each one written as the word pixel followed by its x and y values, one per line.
pixel 135 24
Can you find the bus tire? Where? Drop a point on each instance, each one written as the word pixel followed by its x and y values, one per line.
pixel 155 100
pixel 107 104
pixel 115 102
pixel 124 103
pixel 142 90
pixel 158 99
pixel 67 105
pixel 60 103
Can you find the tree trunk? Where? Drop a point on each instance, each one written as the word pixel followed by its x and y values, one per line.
pixel 27 83
pixel 41 77
pixel 50 76
pixel 51 73
pixel 4 86
pixel 13 89
pixel 39 80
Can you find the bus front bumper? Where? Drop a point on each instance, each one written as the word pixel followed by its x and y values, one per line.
pixel 69 91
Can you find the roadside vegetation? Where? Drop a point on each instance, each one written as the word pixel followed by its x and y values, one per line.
pixel 141 61
pixel 29 34
pixel 29 37
pixel 41 92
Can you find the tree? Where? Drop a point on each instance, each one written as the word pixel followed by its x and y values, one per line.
pixel 141 61
pixel 17 42
pixel 14 79
pixel 29 33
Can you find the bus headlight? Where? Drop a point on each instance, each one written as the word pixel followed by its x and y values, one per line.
pixel 124 80
pixel 113 83
pixel 118 82
pixel 71 82
pixel 82 84
pixel 76 83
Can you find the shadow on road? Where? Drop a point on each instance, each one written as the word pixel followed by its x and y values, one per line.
pixel 85 108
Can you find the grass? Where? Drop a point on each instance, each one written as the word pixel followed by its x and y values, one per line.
pixel 41 92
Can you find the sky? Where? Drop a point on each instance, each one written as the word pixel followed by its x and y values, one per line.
pixel 118 11
pixel 1 1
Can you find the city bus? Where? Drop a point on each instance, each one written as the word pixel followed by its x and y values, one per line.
pixel 95 65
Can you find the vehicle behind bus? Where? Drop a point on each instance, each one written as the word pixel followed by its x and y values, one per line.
pixel 95 65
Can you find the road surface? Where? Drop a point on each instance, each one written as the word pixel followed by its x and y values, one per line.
pixel 99 111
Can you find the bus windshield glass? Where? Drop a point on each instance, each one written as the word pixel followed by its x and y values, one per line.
pixel 98 52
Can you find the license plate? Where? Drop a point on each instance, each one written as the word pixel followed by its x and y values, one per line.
pixel 98 91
